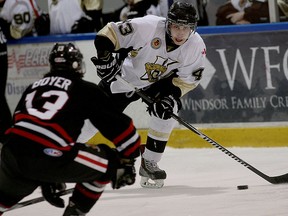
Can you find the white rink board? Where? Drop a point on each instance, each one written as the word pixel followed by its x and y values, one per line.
pixel 28 63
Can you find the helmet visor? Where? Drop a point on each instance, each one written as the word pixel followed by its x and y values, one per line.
pixel 183 23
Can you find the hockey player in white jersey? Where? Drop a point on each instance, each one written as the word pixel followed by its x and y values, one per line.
pixel 67 16
pixel 20 17
pixel 166 62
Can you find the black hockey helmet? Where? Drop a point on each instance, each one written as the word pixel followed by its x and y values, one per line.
pixel 66 57
pixel 182 13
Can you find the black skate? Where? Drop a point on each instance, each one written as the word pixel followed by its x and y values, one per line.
pixel 151 175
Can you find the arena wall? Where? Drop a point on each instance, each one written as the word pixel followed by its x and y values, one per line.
pixel 242 100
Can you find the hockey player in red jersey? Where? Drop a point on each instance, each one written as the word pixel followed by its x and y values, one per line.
pixel 166 62
pixel 44 145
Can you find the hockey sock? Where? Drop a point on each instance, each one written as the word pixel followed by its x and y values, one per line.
pixel 84 198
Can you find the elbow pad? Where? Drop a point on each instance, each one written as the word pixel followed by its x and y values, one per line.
pixel 104 47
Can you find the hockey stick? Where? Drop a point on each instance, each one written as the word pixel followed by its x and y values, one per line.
pixel 272 179
pixel 37 200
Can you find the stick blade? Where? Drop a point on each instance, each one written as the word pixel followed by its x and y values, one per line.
pixel 282 179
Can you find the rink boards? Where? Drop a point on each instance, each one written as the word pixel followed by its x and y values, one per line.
pixel 227 137
pixel 246 83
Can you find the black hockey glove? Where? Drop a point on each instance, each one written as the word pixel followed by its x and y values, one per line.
pixel 107 70
pixel 125 174
pixel 49 192
pixel 109 67
pixel 163 108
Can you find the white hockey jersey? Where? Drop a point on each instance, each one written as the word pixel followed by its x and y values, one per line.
pixel 21 15
pixel 150 59
pixel 63 14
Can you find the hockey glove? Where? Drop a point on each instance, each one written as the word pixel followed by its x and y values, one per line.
pixel 49 192
pixel 125 174
pixel 107 70
pixel 110 65
pixel 163 108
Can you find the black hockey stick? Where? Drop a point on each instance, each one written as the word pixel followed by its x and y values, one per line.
pixel 37 200
pixel 272 179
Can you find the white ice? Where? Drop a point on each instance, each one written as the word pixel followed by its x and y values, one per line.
pixel 200 182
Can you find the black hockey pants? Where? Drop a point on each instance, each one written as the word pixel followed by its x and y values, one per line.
pixel 24 166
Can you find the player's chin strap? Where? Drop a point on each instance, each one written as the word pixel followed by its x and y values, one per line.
pixel 272 179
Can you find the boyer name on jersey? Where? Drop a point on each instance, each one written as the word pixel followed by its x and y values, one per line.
pixel 60 82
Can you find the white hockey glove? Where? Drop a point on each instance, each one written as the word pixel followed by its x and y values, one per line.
pixel 125 174
pixel 163 108
pixel 49 192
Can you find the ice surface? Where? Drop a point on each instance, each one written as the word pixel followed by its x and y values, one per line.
pixel 200 182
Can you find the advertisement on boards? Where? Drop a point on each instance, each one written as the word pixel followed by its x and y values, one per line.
pixel 28 63
pixel 245 80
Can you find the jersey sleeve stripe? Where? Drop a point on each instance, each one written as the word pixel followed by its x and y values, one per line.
pixel 92 161
pixel 56 127
pixel 126 133
pixel 131 151
pixel 126 144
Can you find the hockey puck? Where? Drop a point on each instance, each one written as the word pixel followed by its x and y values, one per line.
pixel 242 187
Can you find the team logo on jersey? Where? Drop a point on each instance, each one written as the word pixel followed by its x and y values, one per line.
pixel 53 152
pixel 156 43
pixel 156 69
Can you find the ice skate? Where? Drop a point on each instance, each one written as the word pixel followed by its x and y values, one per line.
pixel 151 175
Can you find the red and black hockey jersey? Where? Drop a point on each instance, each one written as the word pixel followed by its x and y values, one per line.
pixel 52 111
